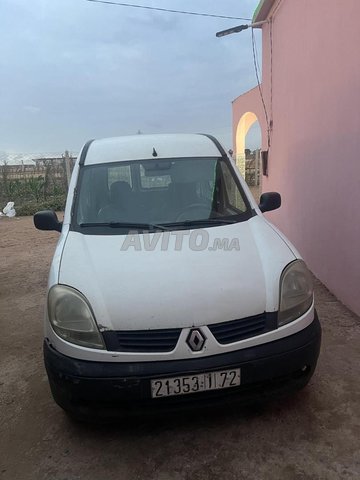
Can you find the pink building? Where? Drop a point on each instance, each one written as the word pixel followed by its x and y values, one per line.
pixel 311 90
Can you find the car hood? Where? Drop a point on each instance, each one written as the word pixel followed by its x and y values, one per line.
pixel 168 286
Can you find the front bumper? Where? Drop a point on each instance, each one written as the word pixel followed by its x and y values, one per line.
pixel 102 389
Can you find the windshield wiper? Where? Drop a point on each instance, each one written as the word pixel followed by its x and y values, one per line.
pixel 135 226
pixel 207 221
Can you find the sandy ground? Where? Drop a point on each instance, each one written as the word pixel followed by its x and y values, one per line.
pixel 312 435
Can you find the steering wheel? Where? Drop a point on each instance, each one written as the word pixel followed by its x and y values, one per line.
pixel 184 215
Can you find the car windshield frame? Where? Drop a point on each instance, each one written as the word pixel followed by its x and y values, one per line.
pixel 114 228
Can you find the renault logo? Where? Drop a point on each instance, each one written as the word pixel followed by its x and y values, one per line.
pixel 196 340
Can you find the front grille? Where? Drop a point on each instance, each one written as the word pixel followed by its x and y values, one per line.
pixel 236 330
pixel 149 341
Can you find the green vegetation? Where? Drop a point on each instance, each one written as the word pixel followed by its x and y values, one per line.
pixel 56 203
pixel 41 191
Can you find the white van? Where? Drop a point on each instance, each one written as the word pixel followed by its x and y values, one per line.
pixel 168 286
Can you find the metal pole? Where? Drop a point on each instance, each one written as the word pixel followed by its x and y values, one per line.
pixel 67 167
pixel 257 166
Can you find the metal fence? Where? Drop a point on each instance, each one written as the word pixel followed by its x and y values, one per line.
pixel 252 168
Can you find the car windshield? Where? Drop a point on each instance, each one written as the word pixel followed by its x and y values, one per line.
pixel 159 192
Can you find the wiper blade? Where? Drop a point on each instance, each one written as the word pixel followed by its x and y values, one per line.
pixel 208 221
pixel 135 226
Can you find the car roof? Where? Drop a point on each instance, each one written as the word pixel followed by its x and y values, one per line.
pixel 140 147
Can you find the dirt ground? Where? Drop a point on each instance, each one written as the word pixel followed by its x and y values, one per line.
pixel 312 435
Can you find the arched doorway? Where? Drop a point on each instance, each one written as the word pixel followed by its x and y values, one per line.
pixel 246 122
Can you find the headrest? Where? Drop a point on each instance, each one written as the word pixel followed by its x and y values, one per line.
pixel 119 191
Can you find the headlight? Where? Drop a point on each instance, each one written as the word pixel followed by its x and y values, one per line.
pixel 71 317
pixel 296 292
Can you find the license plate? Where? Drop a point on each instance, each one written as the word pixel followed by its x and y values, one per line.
pixel 201 382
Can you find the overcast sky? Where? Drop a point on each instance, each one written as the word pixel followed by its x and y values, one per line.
pixel 73 70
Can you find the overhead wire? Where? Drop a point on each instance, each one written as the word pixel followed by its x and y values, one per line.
pixel 271 22
pixel 257 68
pixel 271 70
pixel 167 10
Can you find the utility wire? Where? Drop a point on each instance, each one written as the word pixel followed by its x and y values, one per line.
pixel 146 7
pixel 271 69
pixel 259 86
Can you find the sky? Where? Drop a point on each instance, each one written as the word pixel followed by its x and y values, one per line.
pixel 72 70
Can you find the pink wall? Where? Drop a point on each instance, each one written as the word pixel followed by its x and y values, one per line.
pixel 314 160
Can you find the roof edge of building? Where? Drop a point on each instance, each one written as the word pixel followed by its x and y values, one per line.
pixel 262 11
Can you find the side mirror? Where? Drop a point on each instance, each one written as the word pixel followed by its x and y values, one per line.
pixel 270 201
pixel 47 220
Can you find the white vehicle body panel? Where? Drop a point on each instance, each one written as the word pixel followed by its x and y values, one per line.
pixel 139 290
pixel 186 288
pixel 134 147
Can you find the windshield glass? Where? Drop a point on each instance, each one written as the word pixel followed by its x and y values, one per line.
pixel 159 192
